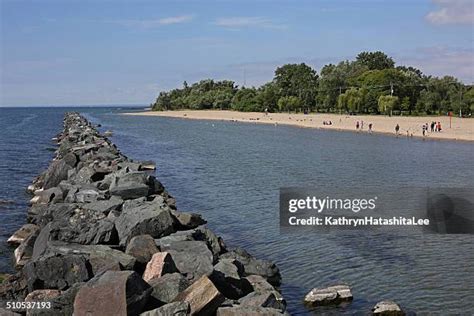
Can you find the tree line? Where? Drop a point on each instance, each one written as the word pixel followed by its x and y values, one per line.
pixel 370 84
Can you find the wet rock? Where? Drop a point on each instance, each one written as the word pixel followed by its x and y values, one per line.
pixel 160 264
pixel 329 295
pixel 113 293
pixel 192 258
pixel 142 247
pixel 387 308
pixel 23 233
pixel 147 218
pixel 167 287
pixel 251 265
pixel 172 309
pixel 56 271
pixel 202 296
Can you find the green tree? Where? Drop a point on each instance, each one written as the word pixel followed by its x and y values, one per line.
pixel 298 80
pixel 387 103
pixel 375 60
pixel 246 100
pixel 289 103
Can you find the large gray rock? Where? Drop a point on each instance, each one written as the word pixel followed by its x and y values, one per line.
pixel 130 185
pixel 142 247
pixel 104 206
pixel 227 278
pixel 387 308
pixel 57 171
pixel 172 309
pixel 328 295
pixel 113 293
pixel 251 265
pixel 147 218
pixel 260 285
pixel 192 258
pixel 24 252
pixel 266 299
pixel 167 287
pixel 56 271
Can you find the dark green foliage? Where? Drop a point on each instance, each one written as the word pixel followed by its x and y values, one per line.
pixel 369 84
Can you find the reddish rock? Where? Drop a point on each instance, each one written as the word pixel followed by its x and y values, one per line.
pixel 113 293
pixel 203 297
pixel 161 263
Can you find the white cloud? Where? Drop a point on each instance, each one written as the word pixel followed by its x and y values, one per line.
pixel 442 61
pixel 247 21
pixel 452 12
pixel 152 23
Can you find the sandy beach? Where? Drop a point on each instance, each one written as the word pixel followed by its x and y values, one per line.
pixel 461 128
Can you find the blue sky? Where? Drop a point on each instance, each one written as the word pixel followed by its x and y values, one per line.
pixel 124 52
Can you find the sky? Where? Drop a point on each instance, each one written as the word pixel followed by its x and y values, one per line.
pixel 68 52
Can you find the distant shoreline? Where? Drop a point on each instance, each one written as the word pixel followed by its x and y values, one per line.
pixel 462 129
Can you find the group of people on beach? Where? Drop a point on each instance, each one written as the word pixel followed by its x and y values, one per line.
pixel 434 127
pixel 327 122
pixel 360 126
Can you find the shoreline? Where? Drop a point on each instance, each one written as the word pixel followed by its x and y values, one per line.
pixel 462 129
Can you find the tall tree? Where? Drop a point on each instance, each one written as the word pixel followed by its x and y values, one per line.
pixel 298 80
pixel 375 60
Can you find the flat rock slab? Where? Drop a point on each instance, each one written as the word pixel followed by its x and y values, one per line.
pixel 329 295
pixel 113 293
pixel 387 308
pixel 202 296
pixel 248 311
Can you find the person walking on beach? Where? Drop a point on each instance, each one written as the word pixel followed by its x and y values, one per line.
pixel 439 126
pixel 397 129
pixel 361 124
pixel 432 126
pixel 357 125
pixel 370 128
pixel 424 129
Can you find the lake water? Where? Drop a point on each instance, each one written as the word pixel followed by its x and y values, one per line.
pixel 231 173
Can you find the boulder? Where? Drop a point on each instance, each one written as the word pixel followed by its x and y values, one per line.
pixel 99 256
pixel 266 299
pixel 57 171
pixel 142 247
pixel 40 296
pixel 328 295
pixel 147 218
pixel 251 265
pixel 227 278
pixel 24 252
pixel 131 185
pixel 12 287
pixel 113 293
pixel 7 312
pixel 147 165
pixel 56 271
pixel 51 195
pixel 104 206
pixel 192 258
pixel 248 311
pixel 167 287
pixel 189 220
pixel 387 308
pixel 160 264
pixel 172 309
pixel 23 233
pixel 202 296
pixel 260 285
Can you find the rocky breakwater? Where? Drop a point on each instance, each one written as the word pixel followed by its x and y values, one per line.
pixel 104 237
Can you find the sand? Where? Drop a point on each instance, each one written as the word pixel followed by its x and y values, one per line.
pixel 461 128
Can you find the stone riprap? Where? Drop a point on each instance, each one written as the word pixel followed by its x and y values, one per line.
pixel 104 237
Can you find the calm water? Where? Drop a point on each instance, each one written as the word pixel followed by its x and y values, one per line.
pixel 231 173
